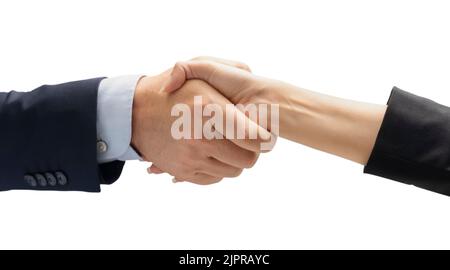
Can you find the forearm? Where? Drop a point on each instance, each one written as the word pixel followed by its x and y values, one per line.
pixel 338 126
pixel 48 135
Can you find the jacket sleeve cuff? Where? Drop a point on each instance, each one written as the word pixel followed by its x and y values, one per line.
pixel 413 144
pixel 47 139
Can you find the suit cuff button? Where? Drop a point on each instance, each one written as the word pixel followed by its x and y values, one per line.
pixel 30 180
pixel 61 177
pixel 40 179
pixel 51 179
pixel 102 147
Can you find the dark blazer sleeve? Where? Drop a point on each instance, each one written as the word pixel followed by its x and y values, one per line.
pixel 413 144
pixel 48 139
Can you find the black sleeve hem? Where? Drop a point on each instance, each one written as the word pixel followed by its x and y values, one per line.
pixel 413 144
pixel 110 172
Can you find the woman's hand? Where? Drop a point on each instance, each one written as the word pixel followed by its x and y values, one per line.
pixel 342 127
pixel 233 79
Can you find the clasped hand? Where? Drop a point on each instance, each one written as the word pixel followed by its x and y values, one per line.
pixel 217 84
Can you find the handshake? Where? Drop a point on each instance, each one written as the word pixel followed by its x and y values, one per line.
pixel 208 118
pixel 203 120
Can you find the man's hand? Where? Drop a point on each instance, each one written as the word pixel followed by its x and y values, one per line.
pixel 200 161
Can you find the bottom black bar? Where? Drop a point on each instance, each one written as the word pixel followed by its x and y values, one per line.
pixel 224 259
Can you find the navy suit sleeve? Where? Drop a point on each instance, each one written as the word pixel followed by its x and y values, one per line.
pixel 48 139
pixel 413 144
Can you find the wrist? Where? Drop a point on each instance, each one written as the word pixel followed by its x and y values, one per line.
pixel 144 105
pixel 292 103
pixel 114 117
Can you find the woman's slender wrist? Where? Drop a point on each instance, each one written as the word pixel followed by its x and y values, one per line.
pixel 338 126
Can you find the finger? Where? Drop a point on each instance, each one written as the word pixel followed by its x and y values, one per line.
pixel 242 131
pixel 253 134
pixel 222 78
pixel 200 179
pixel 229 153
pixel 154 169
pixel 217 168
pixel 227 62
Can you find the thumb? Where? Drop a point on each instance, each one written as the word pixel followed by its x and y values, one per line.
pixel 176 78
pixel 226 79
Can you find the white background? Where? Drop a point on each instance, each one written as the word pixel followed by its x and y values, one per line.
pixel 295 197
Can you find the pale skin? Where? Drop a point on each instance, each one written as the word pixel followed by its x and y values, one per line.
pixel 198 161
pixel 338 126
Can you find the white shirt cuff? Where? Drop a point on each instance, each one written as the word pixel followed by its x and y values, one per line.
pixel 114 118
